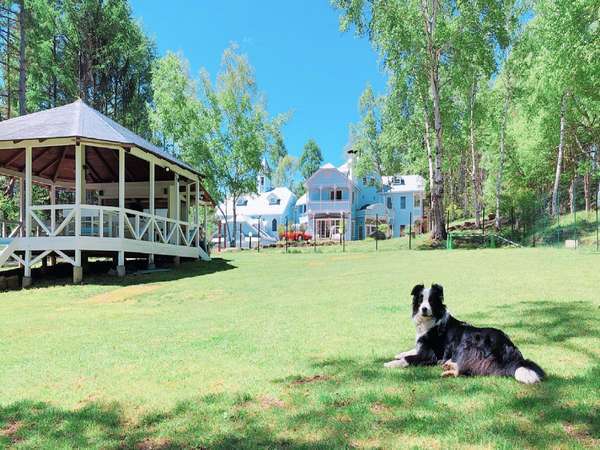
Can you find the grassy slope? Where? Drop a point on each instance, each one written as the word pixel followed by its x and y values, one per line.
pixel 226 358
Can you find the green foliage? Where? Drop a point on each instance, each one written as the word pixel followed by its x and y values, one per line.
pixel 285 173
pixel 92 50
pixel 311 159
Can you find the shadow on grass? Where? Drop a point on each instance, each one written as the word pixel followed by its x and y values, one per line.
pixel 97 272
pixel 347 402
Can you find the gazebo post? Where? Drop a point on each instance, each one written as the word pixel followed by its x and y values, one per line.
pixel 53 218
pixel 187 208
pixel 177 259
pixel 198 214
pixel 77 268
pixel 28 191
pixel 22 205
pixel 205 232
pixel 151 264
pixel 121 253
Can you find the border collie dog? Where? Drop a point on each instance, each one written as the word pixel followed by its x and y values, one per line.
pixel 461 348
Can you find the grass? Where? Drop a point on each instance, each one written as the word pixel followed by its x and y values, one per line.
pixel 271 350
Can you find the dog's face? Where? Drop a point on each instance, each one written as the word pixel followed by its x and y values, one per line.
pixel 428 303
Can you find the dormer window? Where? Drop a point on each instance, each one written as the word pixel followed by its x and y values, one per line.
pixel 274 200
pixel 397 180
pixel 242 202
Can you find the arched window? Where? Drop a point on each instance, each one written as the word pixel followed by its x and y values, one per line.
pixel 274 225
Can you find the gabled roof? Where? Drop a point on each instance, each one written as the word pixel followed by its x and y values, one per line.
pixel 258 204
pixel 78 120
pixel 412 183
pixel 329 166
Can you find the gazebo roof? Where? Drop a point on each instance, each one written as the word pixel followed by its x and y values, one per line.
pixel 80 121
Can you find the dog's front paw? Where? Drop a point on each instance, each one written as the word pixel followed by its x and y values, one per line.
pixel 395 364
pixel 450 369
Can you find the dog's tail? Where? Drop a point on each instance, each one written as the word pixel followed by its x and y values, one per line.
pixel 529 372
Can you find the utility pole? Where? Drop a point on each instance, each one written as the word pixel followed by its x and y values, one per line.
pixel 410 231
pixel 377 232
pixel 258 237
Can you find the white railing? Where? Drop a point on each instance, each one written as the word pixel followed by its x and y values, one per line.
pixel 328 206
pixel 103 222
pixel 9 229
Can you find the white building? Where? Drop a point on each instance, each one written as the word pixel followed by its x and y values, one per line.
pixel 258 214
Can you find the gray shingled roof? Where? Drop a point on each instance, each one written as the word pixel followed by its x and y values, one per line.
pixel 77 120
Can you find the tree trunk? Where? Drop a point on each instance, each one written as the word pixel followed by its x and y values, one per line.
pixel 438 229
pixel 427 138
pixel 586 190
pixel 501 162
pixel 572 195
pixel 22 60
pixel 475 173
pixel 555 205
pixel 8 89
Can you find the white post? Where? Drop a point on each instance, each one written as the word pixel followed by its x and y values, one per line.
pixel 78 186
pixel 79 194
pixel 177 205
pixel 28 191
pixel 121 256
pixel 22 206
pixel 205 231
pixel 187 210
pixel 177 216
pixel 151 206
pixel 52 211
pixel 198 213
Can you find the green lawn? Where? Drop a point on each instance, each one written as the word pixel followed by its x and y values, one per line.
pixel 273 350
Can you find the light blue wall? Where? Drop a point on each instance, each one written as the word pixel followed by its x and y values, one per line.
pixel 402 216
pixel 366 195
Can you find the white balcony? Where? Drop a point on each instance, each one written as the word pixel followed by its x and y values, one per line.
pixel 328 206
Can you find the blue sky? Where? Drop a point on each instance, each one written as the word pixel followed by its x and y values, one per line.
pixel 303 63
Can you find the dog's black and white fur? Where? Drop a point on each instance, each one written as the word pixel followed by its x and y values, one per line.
pixel 461 348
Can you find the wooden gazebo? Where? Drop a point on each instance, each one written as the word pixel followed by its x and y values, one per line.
pixel 111 193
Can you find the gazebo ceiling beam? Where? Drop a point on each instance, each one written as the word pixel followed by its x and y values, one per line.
pixel 106 163
pixel 62 157
pixel 47 166
pixel 36 179
pixel 93 173
pixel 15 157
pixel 127 169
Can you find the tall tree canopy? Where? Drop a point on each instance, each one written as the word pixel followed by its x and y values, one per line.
pixel 223 129
pixel 311 159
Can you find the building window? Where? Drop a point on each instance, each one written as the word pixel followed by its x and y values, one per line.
pixel 417 202
pixel 402 230
pixel 241 202
pixel 335 195
pixel 389 202
pixel 364 180
pixel 262 181
pixel 274 225
pixel 402 202
pixel 274 201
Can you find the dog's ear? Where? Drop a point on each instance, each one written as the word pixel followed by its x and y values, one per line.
pixel 438 291
pixel 417 289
